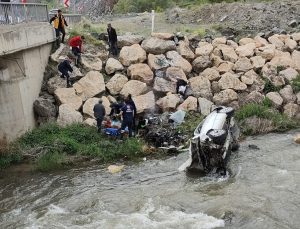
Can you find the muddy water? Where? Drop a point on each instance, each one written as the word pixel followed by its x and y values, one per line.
pixel 262 191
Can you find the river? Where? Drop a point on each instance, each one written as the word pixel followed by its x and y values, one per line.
pixel 261 191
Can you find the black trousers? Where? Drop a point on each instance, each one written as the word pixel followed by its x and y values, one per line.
pixel 113 47
pixel 58 31
pixel 99 123
pixel 65 73
pixel 77 53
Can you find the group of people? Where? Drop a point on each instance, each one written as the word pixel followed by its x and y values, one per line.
pixel 125 110
pixel 76 45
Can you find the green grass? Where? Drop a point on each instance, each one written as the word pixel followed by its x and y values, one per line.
pixel 269 87
pixel 192 120
pixel 296 84
pixel 89 30
pixel 54 146
pixel 274 120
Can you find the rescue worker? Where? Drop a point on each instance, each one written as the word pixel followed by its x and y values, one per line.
pixel 99 113
pixel 65 67
pixel 59 26
pixel 112 39
pixel 127 114
pixel 76 43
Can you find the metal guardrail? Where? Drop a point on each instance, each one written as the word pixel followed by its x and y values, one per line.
pixel 70 18
pixel 15 13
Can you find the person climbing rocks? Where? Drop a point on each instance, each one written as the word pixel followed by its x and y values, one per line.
pixel 76 43
pixel 112 40
pixel 127 114
pixel 99 113
pixel 59 26
pixel 65 67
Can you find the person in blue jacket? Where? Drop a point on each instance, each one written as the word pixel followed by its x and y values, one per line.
pixel 127 114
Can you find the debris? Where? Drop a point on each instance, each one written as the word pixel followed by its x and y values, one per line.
pixel 178 116
pixel 297 138
pixel 255 147
pixel 115 168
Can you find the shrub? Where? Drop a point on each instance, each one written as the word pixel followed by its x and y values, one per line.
pixel 50 161
pixel 296 84
pixel 269 87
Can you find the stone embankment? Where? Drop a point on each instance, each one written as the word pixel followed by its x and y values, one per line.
pixel 219 72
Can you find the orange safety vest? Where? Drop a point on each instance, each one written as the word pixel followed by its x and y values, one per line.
pixel 56 22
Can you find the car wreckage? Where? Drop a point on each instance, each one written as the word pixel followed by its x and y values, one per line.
pixel 214 139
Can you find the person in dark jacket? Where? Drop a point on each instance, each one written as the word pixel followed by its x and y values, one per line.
pixel 116 107
pixel 135 112
pixel 112 39
pixel 127 114
pixel 59 25
pixel 65 67
pixel 99 113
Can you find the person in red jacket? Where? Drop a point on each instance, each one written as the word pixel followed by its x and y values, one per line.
pixel 76 44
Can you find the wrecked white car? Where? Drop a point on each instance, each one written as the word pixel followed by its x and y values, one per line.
pixel 214 138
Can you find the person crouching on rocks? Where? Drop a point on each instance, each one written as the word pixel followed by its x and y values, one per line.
pixel 99 113
pixel 76 43
pixel 65 67
pixel 127 114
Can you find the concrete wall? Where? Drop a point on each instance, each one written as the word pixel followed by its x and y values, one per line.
pixel 21 76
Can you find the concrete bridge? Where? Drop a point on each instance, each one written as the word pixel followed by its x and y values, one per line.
pixel 24 53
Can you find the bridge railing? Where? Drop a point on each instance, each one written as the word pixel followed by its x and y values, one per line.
pixel 70 18
pixel 15 13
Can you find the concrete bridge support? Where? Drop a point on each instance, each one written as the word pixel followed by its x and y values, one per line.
pixel 24 53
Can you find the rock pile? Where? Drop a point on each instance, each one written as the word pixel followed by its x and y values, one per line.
pixel 220 72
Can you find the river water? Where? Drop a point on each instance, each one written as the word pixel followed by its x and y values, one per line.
pixel 261 191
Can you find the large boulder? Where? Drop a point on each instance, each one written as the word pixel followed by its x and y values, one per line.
pixel 68 115
pixel 291 110
pixel 283 59
pixel 225 97
pixel 157 62
pixel 175 73
pixel 132 54
pixel 259 41
pixel 92 63
pixel 231 81
pixel 258 82
pixel 88 106
pixel 164 36
pixel 169 102
pixel 190 104
pixel 158 46
pixel 298 98
pixel 112 66
pixel 201 87
pixel 225 67
pixel 275 98
pixel 201 63
pixel 296 37
pixel 68 96
pixel 243 65
pixel 145 102
pixel 246 50
pixel 267 52
pixel 296 60
pixel 290 45
pixel 128 40
pixel 90 85
pixel 134 87
pixel 164 86
pixel 228 53
pixel 254 97
pixel 116 83
pixel 204 49
pixel 178 61
pixel 246 40
pixel 55 83
pixel 211 73
pixel 205 106
pixel 141 72
pixel 287 94
pixel 269 71
pixel 257 62
pixel 184 50
pixel 275 40
pixel 219 41
pixel 90 122
pixel 289 74
pixel 44 109
pixel 55 56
